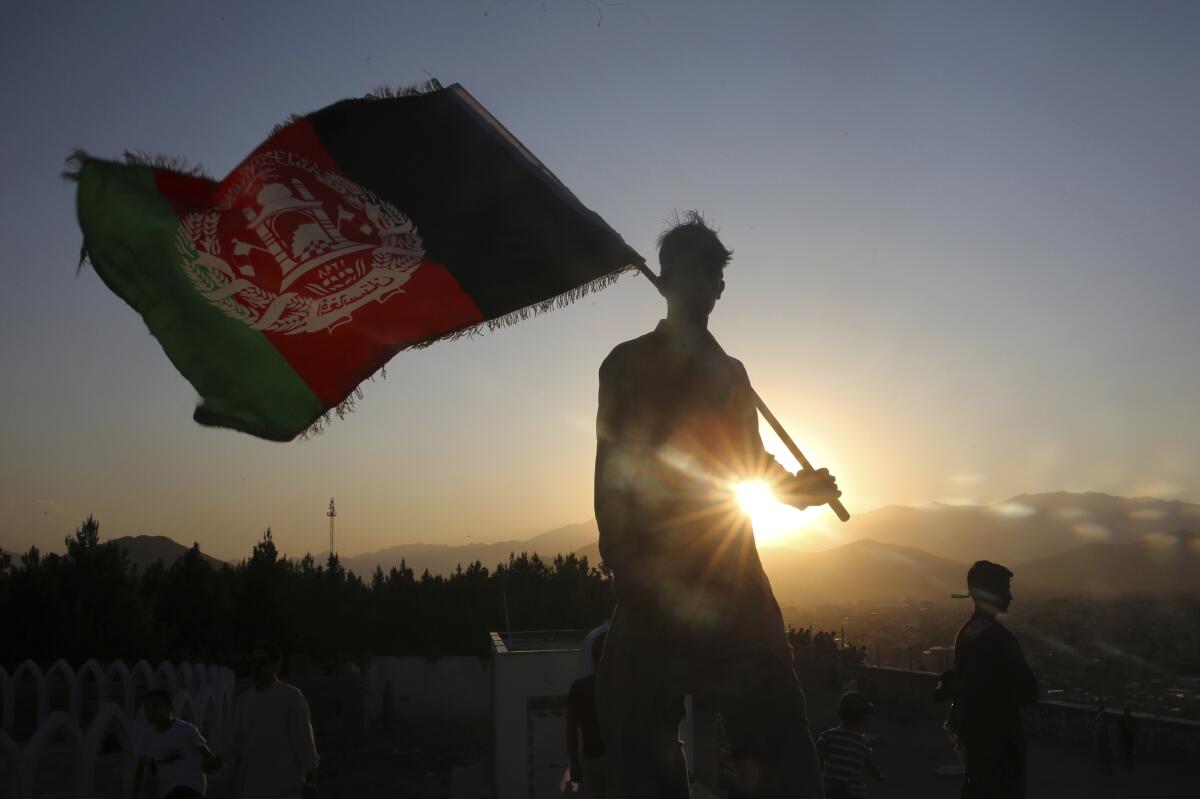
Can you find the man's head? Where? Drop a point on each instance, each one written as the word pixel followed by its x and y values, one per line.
pixel 157 707
pixel 990 585
pixel 692 263
pixel 266 658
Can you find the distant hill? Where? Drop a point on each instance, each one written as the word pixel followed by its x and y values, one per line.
pixel 1023 528
pixel 859 570
pixel 146 550
pixel 1160 563
pixel 443 559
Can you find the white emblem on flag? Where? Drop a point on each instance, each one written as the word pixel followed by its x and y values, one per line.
pixel 295 248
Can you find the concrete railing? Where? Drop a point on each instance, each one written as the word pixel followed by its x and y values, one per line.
pixel 67 732
pixel 909 694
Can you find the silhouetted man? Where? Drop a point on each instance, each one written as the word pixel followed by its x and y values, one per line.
pixel 585 749
pixel 1101 732
pixel 677 427
pixel 274 755
pixel 993 682
pixel 1126 728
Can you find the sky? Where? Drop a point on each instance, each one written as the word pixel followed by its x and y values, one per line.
pixel 965 266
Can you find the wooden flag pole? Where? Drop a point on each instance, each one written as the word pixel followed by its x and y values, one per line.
pixel 835 505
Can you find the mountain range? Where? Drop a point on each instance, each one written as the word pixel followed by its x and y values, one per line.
pixel 1023 528
pixel 1059 542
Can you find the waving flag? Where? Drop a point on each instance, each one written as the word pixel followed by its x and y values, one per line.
pixel 351 233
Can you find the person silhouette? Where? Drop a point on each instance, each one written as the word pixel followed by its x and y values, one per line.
pixel 676 429
pixel 1126 727
pixel 271 739
pixel 1102 733
pixel 991 682
pixel 585 749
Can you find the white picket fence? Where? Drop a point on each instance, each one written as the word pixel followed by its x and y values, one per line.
pixel 70 733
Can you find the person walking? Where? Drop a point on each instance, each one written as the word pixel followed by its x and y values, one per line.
pixel 1126 727
pixel 585 748
pixel 845 752
pixel 271 743
pixel 1102 734
pixel 178 752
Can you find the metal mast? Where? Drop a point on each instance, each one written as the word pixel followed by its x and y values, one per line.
pixel 332 513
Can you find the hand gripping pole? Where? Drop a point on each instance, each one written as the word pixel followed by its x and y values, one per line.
pixel 835 504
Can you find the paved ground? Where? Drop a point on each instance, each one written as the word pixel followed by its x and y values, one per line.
pixel 909 754
pixel 424 763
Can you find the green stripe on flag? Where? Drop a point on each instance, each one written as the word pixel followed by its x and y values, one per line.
pixel 130 234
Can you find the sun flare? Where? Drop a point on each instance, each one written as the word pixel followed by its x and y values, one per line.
pixel 772 519
pixel 755 497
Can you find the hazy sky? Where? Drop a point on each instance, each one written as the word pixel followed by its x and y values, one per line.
pixel 966 242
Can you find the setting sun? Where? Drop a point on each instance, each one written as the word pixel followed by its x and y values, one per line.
pixel 772 519
pixel 755 497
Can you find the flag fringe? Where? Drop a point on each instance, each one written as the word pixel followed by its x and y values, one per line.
pixel 347 405
pixel 412 90
pixel 291 120
pixel 78 156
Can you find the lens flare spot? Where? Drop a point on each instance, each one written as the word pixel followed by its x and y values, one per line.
pixel 1092 531
pixel 1013 510
pixel 1161 540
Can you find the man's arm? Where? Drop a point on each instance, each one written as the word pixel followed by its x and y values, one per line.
pixel 1023 680
pixel 212 761
pixel 613 474
pixel 800 490
pixel 869 765
pixel 304 746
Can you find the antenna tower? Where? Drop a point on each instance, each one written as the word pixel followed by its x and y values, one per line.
pixel 331 514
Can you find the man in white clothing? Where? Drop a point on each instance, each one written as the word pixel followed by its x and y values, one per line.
pixel 272 748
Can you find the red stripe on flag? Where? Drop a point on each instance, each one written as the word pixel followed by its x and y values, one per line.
pixel 332 362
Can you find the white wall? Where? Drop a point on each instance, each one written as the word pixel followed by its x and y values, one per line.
pixel 445 689
pixel 520 677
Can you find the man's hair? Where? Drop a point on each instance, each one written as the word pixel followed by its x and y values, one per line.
pixel 270 647
pixel 986 574
pixel 691 243
pixel 158 695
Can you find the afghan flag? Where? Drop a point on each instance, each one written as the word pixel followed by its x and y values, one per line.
pixel 362 229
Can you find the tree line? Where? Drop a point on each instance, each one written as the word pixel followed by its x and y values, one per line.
pixel 91 602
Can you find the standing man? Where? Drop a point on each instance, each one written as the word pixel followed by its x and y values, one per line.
pixel 1101 730
pixel 677 429
pixel 992 683
pixel 1126 728
pixel 585 749
pixel 274 755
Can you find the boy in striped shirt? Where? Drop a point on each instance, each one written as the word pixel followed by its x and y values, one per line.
pixel 845 752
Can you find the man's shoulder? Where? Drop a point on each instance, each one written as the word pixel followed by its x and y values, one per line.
pixel 292 691
pixel 628 352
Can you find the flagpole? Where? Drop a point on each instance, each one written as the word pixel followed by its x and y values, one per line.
pixel 835 504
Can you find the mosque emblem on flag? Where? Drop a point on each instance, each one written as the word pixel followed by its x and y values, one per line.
pixel 291 247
